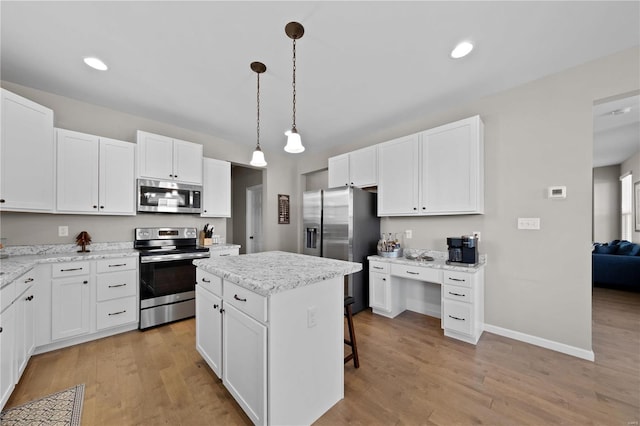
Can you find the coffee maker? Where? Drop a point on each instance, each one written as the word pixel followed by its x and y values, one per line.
pixel 463 250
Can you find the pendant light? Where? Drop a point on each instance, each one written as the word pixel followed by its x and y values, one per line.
pixel 294 31
pixel 257 159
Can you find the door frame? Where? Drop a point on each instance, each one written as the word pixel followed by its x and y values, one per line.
pixel 249 217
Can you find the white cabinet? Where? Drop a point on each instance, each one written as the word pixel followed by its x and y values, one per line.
pixel 245 362
pixel 25 320
pixel 26 155
pixel 116 292
pixel 435 172
pixel 219 252
pixel 357 168
pixel 70 300
pixel 379 286
pixel 463 305
pixel 209 328
pixel 216 188
pixel 7 357
pixel 95 175
pixel 160 157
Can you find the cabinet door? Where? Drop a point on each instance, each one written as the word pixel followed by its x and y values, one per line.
pixel 363 167
pixel 339 171
pixel 216 188
pixel 42 304
pixel 398 177
pixel 117 177
pixel 70 307
pixel 245 362
pixel 209 328
pixel 379 291
pixel 7 353
pixel 187 161
pixel 155 156
pixel 26 155
pixel 450 157
pixel 24 343
pixel 77 172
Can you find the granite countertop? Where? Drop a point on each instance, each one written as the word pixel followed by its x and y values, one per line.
pixel 276 271
pixel 439 261
pixel 14 266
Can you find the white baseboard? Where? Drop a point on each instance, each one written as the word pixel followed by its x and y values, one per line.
pixel 539 341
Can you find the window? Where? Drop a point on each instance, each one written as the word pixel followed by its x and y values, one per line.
pixel 626 206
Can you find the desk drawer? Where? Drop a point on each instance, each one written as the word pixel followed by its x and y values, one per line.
pixel 459 278
pixel 454 292
pixel 209 281
pixel 245 300
pixel 458 316
pixel 381 267
pixel 417 273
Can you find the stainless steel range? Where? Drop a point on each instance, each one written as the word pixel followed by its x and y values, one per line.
pixel 167 274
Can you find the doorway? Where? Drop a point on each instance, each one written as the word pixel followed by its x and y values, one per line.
pixel 242 178
pixel 254 219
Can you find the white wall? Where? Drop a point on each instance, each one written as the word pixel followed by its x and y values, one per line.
pixel 606 203
pixel 632 165
pixel 538 283
pixel 34 228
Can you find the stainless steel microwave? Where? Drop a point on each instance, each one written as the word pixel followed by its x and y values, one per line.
pixel 168 197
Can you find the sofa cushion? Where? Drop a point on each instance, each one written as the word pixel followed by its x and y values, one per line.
pixel 625 248
pixel 605 249
pixel 635 251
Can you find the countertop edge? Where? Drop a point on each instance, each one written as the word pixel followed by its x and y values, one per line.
pixel 436 264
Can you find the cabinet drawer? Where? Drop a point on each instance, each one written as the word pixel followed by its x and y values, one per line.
pixel 246 301
pixel 70 269
pixel 417 273
pixel 121 264
pixel 458 316
pixel 112 313
pixel 116 284
pixel 381 267
pixel 209 281
pixel 7 294
pixel 455 292
pixel 459 278
pixel 224 252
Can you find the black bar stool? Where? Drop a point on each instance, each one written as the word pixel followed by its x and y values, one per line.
pixel 348 301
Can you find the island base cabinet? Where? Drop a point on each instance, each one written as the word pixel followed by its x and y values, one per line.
pixel 209 328
pixel 245 362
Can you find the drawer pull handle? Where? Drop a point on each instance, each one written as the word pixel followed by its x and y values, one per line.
pixel 117 265
pixel 117 285
pixel 457 279
pixel 378 267
pixel 226 254
pixel 204 280
pixel 71 269
pixel 235 296
pixel 456 318
pixel 28 280
pixel 457 294
pixel 413 273
pixel 118 313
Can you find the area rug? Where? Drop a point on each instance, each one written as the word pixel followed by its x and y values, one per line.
pixel 60 408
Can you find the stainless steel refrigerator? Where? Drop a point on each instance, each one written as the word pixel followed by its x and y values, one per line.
pixel 342 223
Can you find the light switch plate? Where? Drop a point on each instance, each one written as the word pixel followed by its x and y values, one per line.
pixel 531 223
pixel 312 319
pixel 63 231
pixel 408 233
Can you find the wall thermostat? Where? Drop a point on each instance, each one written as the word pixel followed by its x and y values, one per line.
pixel 557 192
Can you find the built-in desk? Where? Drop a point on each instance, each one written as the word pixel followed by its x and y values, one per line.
pixel 452 293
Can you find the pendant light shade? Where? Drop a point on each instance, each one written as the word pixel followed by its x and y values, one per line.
pixel 294 31
pixel 257 159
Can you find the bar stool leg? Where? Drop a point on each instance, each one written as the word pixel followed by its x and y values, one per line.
pixel 352 336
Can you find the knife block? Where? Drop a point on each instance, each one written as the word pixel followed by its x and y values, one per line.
pixel 204 241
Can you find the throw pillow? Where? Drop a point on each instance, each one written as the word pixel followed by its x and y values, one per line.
pixel 606 249
pixel 635 251
pixel 625 247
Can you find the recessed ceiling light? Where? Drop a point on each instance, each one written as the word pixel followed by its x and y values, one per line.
pixel 96 63
pixel 620 111
pixel 461 50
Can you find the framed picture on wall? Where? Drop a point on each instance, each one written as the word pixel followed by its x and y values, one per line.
pixel 283 209
pixel 636 205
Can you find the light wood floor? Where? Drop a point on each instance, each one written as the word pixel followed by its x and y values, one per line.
pixel 410 374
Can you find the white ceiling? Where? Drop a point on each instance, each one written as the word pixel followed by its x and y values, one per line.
pixel 363 68
pixel 616 137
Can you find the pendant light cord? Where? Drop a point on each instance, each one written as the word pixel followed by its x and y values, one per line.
pixel 294 84
pixel 258 113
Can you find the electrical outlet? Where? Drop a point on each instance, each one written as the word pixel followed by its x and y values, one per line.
pixel 63 231
pixel 477 235
pixel 312 319
pixel 531 223
pixel 408 234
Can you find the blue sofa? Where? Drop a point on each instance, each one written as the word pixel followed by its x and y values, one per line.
pixel 616 265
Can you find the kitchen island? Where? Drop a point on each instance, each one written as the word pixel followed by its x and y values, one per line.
pixel 270 325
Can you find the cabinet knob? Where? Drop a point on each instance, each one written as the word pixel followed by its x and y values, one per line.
pixel 424 208
pixel 102 207
pixel 85 282
pixel 205 211
pixel 351 183
pixel 215 306
pixel 95 207
pixel 1 327
pixel 221 310
pixel 1 200
pixel 175 176
pixel 415 208
pixel 384 279
pixel 170 175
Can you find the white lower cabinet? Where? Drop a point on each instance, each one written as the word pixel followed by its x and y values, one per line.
pixel 70 309
pixel 244 343
pixel 7 358
pixel 209 328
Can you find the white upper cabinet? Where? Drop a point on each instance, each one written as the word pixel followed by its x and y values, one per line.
pixel 216 188
pixel 26 155
pixel 94 175
pixel 436 172
pixel 357 168
pixel 160 157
